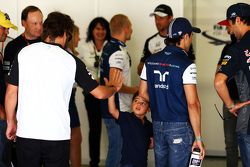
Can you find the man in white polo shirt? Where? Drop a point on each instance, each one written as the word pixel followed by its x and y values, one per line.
pixel 41 77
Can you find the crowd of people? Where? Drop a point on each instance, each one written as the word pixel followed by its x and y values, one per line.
pixel 41 68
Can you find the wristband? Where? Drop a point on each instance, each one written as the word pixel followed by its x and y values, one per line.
pixel 231 107
pixel 198 138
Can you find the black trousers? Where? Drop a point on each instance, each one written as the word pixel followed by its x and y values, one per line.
pixel 42 153
pixel 92 105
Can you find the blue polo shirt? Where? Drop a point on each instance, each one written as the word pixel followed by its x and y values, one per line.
pixel 166 73
pixel 136 139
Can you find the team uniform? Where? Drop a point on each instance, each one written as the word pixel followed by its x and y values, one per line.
pixel 153 45
pixel 237 59
pixel 114 55
pixel 166 73
pixel 45 74
pixel 136 139
pixel 230 121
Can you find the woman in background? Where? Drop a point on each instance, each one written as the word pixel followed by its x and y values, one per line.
pixel 98 34
pixel 76 136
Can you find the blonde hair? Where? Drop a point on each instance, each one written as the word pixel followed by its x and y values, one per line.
pixel 70 44
pixel 118 23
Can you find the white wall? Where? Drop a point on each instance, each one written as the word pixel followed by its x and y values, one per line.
pixel 83 11
pixel 204 15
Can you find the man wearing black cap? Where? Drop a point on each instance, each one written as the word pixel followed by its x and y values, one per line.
pixel 163 15
pixel 229 121
pixel 236 59
pixel 168 81
pixel 5 24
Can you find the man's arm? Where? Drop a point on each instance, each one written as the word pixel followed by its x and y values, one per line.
pixel 143 89
pixel 124 88
pixel 10 106
pixel 194 111
pixel 220 85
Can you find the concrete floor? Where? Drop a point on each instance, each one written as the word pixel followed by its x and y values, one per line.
pixel 208 162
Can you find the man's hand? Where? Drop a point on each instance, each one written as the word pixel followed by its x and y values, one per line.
pixel 237 106
pixel 115 80
pixel 199 144
pixel 11 130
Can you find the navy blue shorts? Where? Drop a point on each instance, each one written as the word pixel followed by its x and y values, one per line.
pixel 73 113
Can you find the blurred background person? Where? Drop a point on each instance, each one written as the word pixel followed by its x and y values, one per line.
pixel 32 21
pixel 5 24
pixel 98 34
pixel 76 136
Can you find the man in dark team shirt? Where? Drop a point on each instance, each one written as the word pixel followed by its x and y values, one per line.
pixel 32 21
pixel 230 121
pixel 236 60
pixel 42 77
pixel 168 80
pixel 5 24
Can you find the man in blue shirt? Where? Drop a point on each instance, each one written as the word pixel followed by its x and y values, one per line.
pixel 168 80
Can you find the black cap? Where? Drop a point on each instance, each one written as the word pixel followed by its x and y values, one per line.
pixel 162 11
pixel 179 27
pixel 236 10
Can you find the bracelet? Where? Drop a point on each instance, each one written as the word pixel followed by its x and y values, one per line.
pixel 198 138
pixel 231 107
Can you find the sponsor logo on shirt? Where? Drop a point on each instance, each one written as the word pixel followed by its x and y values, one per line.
pixel 247 54
pixel 163 64
pixel 225 60
pixel 162 78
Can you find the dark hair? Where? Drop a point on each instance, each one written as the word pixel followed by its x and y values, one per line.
pixel 56 24
pixel 245 20
pixel 135 95
pixel 27 10
pixel 174 41
pixel 104 23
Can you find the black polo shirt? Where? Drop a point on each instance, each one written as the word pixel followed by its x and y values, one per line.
pixel 13 48
pixel 136 139
pixel 237 58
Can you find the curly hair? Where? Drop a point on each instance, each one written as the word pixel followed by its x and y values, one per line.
pixel 56 25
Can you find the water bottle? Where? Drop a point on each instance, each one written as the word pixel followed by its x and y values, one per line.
pixel 195 160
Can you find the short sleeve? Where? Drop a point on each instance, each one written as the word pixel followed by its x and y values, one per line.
pixel 13 74
pixel 83 77
pixel 143 73
pixel 189 75
pixel 116 60
pixel 230 63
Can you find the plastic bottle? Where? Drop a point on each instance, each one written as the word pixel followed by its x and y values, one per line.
pixel 195 160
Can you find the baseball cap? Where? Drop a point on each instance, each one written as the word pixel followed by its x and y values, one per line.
pixel 179 27
pixel 5 21
pixel 236 10
pixel 162 11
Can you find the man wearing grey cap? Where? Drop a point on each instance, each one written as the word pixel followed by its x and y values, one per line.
pixel 237 59
pixel 5 24
pixel 163 15
pixel 168 81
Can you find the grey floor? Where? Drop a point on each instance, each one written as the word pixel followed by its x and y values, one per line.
pixel 208 162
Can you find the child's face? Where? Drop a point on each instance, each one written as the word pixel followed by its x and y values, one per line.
pixel 140 106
